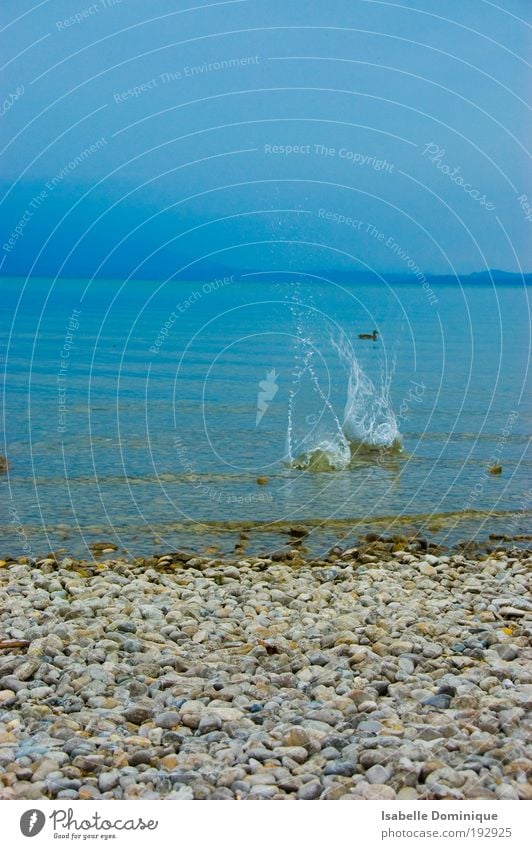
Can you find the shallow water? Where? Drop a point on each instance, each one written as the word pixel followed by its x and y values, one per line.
pixel 121 427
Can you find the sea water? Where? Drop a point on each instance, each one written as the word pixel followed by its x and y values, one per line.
pixel 159 415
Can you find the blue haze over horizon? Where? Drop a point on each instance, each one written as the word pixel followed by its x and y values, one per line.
pixel 155 141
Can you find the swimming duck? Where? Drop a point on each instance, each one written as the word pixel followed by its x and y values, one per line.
pixel 369 335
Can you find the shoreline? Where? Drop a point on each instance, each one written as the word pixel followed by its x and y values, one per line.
pixel 387 670
pixel 315 538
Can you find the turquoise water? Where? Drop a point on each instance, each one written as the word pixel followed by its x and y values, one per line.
pixel 143 413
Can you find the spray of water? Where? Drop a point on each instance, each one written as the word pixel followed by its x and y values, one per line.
pixel 316 439
pixel 369 419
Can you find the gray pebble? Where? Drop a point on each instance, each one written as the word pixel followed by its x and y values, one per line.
pixel 132 646
pixel 345 768
pixel 108 780
pixel 137 714
pixel 506 652
pixel 310 790
pixel 439 701
pixel 378 774
pixel 168 720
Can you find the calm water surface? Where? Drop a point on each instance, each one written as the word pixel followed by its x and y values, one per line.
pixel 144 413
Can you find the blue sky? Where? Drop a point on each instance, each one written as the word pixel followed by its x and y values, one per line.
pixel 162 138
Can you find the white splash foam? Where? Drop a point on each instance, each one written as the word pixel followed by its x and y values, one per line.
pixel 368 415
pixel 316 439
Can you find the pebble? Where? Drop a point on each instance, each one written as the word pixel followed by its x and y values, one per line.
pixel 7 697
pixel 406 665
pixel 375 674
pixel 137 714
pixel 26 670
pixel 108 780
pixel 168 719
pixel 407 793
pixel 340 767
pixel 378 774
pixel 132 645
pixel 506 652
pixel 375 791
pixel 310 790
pixel 438 701
pixel 208 723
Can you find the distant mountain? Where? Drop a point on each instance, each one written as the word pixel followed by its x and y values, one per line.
pixel 344 276
pixel 497 274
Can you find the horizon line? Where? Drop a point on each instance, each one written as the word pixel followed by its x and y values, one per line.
pixel 226 272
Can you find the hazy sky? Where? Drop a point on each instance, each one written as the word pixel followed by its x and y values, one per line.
pixel 159 138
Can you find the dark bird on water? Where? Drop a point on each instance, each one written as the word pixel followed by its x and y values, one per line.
pixel 369 335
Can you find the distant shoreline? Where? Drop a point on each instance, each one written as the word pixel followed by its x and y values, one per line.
pixel 339 276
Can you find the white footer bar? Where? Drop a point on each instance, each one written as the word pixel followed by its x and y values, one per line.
pixel 263 825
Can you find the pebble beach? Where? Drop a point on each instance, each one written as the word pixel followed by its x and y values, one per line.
pixel 387 670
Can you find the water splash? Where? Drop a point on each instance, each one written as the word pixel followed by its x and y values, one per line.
pixel 369 419
pixel 316 439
